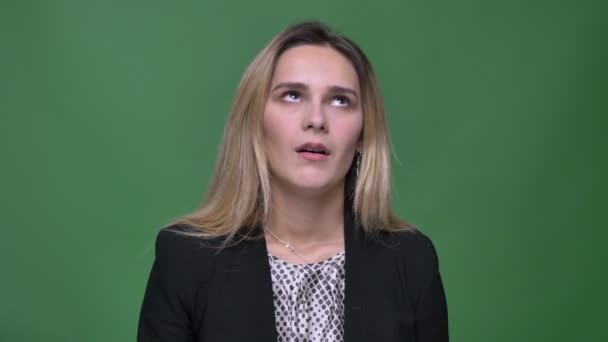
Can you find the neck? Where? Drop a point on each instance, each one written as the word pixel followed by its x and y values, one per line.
pixel 307 220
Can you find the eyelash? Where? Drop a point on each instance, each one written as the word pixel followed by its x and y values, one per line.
pixel 340 97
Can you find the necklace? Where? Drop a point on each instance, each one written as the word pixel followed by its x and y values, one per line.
pixel 296 300
pixel 290 247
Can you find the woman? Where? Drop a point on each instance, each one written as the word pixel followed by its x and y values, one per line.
pixel 296 240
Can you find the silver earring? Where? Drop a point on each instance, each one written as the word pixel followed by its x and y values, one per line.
pixel 358 163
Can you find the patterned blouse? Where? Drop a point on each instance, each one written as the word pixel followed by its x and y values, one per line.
pixel 309 299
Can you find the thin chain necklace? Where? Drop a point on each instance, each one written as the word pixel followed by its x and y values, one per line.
pixel 293 311
pixel 290 247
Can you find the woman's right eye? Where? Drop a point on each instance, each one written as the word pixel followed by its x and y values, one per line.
pixel 291 96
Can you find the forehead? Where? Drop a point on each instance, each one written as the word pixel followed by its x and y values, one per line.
pixel 315 66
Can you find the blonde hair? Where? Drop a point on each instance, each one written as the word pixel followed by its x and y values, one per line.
pixel 239 194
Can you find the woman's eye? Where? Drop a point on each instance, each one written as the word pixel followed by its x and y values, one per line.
pixel 341 101
pixel 291 96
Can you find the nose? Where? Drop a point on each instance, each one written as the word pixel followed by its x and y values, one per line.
pixel 315 118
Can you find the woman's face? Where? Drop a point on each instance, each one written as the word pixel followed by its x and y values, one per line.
pixel 314 99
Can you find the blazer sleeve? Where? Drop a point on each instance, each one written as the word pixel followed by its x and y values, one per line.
pixel 431 311
pixel 165 313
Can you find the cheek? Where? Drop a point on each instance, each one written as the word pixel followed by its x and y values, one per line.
pixel 350 131
pixel 277 131
pixel 274 125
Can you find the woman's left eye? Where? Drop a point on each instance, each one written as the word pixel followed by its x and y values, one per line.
pixel 291 96
pixel 341 101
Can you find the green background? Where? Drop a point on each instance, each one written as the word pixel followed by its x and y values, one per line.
pixel 112 113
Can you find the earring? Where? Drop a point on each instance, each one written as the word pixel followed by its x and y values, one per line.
pixel 358 156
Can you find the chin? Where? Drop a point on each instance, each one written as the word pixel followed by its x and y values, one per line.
pixel 313 186
pixel 307 183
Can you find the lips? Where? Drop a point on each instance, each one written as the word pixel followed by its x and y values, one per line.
pixel 311 147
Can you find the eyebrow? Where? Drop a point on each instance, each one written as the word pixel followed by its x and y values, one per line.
pixel 302 86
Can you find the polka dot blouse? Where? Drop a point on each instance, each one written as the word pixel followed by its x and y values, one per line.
pixel 309 299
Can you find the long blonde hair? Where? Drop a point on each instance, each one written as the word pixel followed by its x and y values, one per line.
pixel 239 195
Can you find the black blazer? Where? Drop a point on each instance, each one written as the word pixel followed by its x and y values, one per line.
pixel 393 290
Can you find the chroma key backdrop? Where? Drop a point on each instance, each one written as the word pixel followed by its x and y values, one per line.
pixel 112 113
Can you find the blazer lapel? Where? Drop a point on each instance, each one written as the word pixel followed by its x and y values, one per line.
pixel 263 316
pixel 354 296
pixel 246 286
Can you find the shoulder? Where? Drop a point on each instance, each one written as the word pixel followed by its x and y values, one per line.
pixel 182 266
pixel 415 253
pixel 413 245
pixel 177 241
pixel 183 256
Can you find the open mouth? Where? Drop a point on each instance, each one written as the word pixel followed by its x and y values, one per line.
pixel 313 148
pixel 313 151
